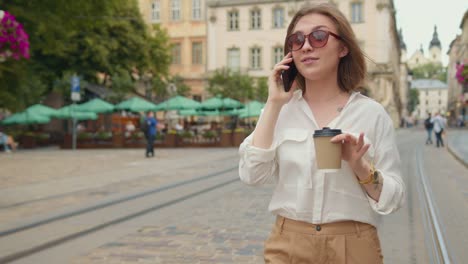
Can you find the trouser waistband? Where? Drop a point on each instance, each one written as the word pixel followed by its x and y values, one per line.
pixel 336 228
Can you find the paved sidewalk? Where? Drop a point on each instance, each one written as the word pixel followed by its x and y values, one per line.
pixel 457 143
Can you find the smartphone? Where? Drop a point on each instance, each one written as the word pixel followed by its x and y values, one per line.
pixel 288 76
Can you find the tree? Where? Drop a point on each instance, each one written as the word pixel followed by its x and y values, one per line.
pixel 413 100
pixel 231 84
pixel 430 71
pixel 86 37
pixel 262 89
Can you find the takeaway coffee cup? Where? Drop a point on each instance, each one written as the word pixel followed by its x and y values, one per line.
pixel 328 154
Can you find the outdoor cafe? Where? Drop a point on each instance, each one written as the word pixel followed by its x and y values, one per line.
pixel 216 122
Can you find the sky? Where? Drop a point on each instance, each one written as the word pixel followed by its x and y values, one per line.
pixel 417 19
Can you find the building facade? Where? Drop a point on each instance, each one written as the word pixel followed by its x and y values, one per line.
pixel 458 55
pixel 185 22
pixel 253 33
pixel 432 97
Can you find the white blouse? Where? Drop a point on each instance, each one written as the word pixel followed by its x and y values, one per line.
pixel 307 194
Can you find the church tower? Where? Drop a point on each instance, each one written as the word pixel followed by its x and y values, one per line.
pixel 435 49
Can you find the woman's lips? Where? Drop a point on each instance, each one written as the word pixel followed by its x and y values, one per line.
pixel 309 60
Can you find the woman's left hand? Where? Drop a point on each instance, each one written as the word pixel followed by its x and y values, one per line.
pixel 353 148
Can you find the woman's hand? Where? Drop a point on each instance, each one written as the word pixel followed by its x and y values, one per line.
pixel 353 150
pixel 276 93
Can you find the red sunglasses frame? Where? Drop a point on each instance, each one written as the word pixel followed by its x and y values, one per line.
pixel 308 36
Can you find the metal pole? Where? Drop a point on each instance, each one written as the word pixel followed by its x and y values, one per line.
pixel 73 128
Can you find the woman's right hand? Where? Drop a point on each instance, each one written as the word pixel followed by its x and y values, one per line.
pixel 276 93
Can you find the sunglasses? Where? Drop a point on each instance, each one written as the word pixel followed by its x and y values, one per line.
pixel 317 39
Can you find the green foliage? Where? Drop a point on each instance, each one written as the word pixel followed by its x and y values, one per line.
pixel 182 88
pixel 430 71
pixel 121 83
pixel 261 93
pixel 413 100
pixel 231 84
pixel 82 37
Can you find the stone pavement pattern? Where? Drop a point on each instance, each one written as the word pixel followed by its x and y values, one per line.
pixel 201 235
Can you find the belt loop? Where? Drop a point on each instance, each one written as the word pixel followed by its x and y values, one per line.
pixel 283 219
pixel 358 230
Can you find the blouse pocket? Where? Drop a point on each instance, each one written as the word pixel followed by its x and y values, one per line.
pixel 294 158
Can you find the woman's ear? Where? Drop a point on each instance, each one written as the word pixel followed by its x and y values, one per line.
pixel 343 51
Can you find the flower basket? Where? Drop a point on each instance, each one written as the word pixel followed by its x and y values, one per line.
pixel 462 73
pixel 14 42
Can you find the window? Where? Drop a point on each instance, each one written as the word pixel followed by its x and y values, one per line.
pixel 427 93
pixel 427 102
pixel 233 62
pixel 197 53
pixel 255 57
pixel 156 11
pixel 196 10
pixel 356 12
pixel 440 101
pixel 176 53
pixel 233 18
pixel 175 10
pixel 278 55
pixel 255 19
pixel 278 17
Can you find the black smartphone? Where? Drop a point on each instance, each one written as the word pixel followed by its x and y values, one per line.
pixel 288 76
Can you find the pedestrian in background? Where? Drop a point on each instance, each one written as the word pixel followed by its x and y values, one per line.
pixel 323 217
pixel 429 125
pixel 150 128
pixel 439 125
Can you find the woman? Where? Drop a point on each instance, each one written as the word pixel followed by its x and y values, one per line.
pixel 323 217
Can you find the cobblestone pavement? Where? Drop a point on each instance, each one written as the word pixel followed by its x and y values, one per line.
pixel 218 232
pixel 230 225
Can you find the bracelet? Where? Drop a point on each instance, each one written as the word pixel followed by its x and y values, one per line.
pixel 371 177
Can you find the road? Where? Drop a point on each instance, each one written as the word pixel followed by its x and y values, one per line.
pixel 188 206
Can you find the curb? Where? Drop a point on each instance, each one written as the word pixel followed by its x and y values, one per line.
pixel 457 155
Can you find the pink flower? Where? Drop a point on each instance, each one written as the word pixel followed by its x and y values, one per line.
pixel 14 41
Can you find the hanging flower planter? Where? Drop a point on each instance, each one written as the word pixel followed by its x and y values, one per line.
pixel 462 73
pixel 14 41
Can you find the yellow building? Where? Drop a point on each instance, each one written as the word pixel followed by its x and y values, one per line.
pixel 185 22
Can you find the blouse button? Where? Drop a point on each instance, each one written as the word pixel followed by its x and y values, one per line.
pixel 318 227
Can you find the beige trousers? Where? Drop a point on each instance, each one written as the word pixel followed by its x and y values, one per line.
pixel 348 242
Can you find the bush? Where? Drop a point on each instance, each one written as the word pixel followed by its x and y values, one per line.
pixel 104 135
pixel 84 135
pixel 186 134
pixel 209 134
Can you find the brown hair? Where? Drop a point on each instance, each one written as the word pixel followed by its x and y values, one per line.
pixel 352 67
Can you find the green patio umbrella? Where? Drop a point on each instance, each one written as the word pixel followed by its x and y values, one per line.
pixel 25 118
pixel 136 104
pixel 252 109
pixel 42 110
pixel 189 112
pixel 72 111
pixel 233 112
pixel 178 103
pixel 220 103
pixel 96 105
pixel 210 113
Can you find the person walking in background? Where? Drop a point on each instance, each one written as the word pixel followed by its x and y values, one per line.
pixel 323 216
pixel 439 125
pixel 429 126
pixel 150 128
pixel 4 142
